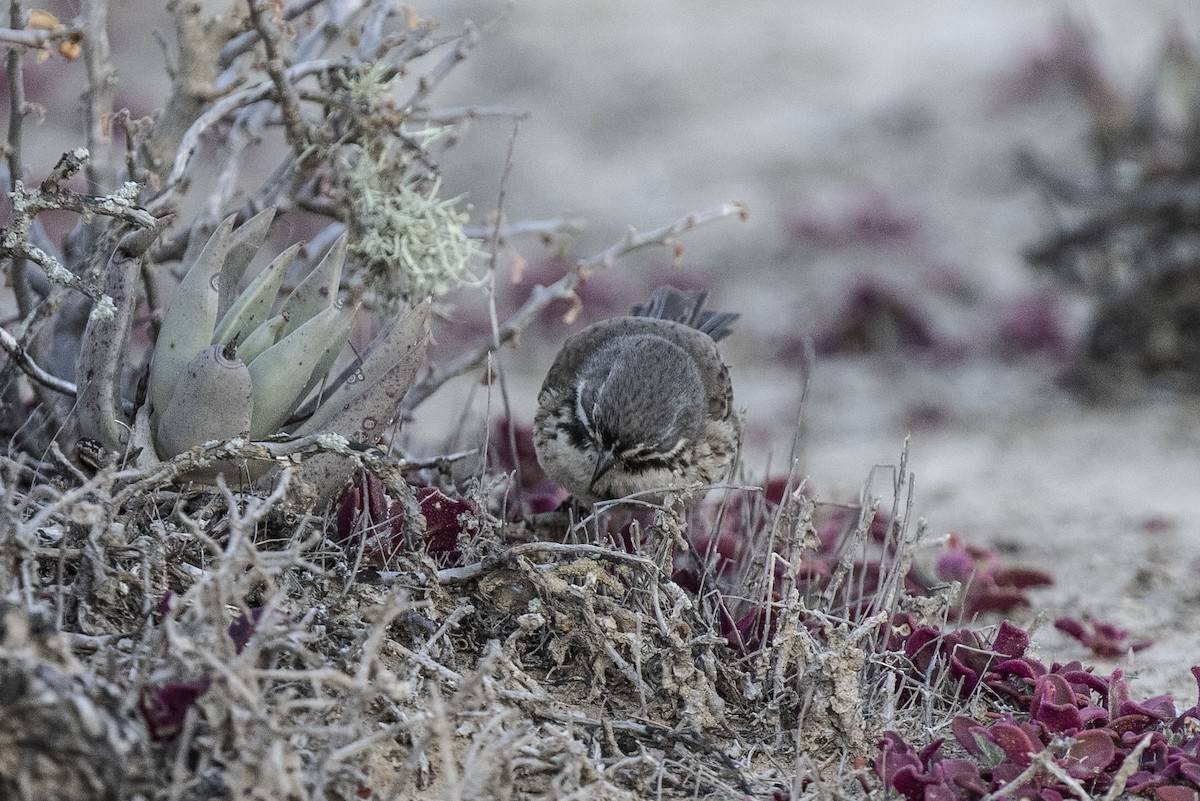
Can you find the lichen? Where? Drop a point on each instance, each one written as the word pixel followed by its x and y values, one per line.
pixel 334 442
pixel 412 242
pixel 103 310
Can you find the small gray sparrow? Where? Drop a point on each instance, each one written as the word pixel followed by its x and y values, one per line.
pixel 640 403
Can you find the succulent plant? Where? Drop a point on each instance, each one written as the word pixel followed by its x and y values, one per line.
pixel 1059 731
pixel 229 364
pixel 204 384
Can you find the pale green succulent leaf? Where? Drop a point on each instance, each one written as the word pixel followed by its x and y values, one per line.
pixel 261 338
pixel 213 399
pixel 253 306
pixel 282 371
pixel 243 247
pixel 362 406
pixel 102 355
pixel 333 348
pixel 189 320
pixel 362 410
pixel 318 290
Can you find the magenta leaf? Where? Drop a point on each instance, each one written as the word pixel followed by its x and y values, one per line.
pixel 1010 640
pixel 970 735
pixel 1024 668
pixel 1160 707
pixel 955 564
pixel 965 774
pixel 447 521
pixel 1089 754
pixel 1053 705
pixel 1015 742
pixel 164 706
pixel 1022 578
pixel 1176 792
pixel 1191 772
pixel 243 627
pixel 1071 626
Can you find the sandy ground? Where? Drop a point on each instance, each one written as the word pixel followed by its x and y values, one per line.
pixel 644 111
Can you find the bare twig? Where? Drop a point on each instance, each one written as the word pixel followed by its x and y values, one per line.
pixel 244 42
pixel 562 289
pixel 286 453
pixel 98 98
pixel 244 97
pixel 51 195
pixel 15 240
pixel 427 83
pixel 1129 766
pixel 452 115
pixel 23 360
pixel 36 39
pixel 1042 761
pixel 295 129
pixel 16 121
pixel 493 318
pixel 543 228
pixel 371 39
pixel 441 462
pixel 132 132
pixel 553 549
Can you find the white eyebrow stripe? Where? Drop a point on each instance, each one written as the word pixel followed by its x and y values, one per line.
pixel 579 410
pixel 638 450
pixel 604 385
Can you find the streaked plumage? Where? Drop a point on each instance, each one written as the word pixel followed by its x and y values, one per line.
pixel 640 402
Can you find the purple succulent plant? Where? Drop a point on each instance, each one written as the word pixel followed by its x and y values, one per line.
pixel 1104 639
pixel 369 519
pixel 1085 723
pixel 164 706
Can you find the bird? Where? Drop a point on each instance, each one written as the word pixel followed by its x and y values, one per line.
pixel 640 404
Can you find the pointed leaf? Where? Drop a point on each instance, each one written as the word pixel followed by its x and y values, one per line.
pixel 364 405
pixel 261 338
pixel 252 308
pixel 282 371
pixel 243 247
pixel 363 409
pixel 101 355
pixel 334 347
pixel 212 400
pixel 190 318
pixel 318 290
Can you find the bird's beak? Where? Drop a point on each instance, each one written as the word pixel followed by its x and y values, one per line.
pixel 604 463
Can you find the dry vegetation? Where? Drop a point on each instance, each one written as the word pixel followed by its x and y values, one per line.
pixel 422 636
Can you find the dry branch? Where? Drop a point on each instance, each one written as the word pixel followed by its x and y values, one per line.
pixel 26 364
pixel 562 289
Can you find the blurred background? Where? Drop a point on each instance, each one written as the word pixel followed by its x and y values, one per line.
pixel 899 162
pixel 884 150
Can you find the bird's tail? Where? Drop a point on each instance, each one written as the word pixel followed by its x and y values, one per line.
pixel 687 307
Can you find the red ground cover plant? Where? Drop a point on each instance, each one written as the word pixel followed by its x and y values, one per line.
pixel 1051 728
pixel 370 520
pixel 1105 639
pixel 991 585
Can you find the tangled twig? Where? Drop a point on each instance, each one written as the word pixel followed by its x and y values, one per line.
pixel 563 289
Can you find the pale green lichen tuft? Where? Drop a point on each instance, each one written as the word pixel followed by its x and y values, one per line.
pixel 412 242
pixel 333 442
pixel 371 87
pixel 407 242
